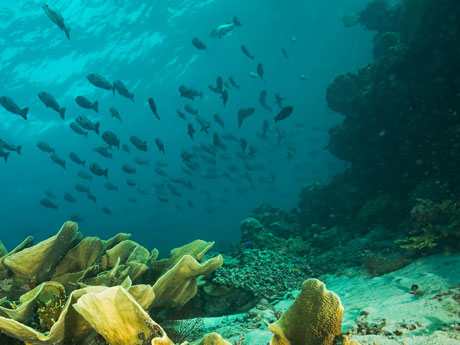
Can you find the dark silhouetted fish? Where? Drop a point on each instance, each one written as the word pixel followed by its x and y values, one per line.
pixel 243 144
pixel 198 44
pixel 110 186
pixel 217 142
pixel 260 71
pixel 246 52
pixel 115 113
pixel 244 113
pixel 111 139
pixel 142 191
pixel 5 145
pixel 181 114
pixel 163 198
pixel 233 82
pixel 58 160
pixel 85 123
pixel 279 100
pixel 189 109
pixel 128 169
pixel 263 100
pixel 4 155
pixel 160 145
pixel 76 218
pixel 205 125
pixel 84 175
pixel 74 157
pixel 153 107
pixel 189 93
pixel 125 148
pixel 265 128
pixel 56 17
pixel 69 198
pixel 77 129
pixel 219 120
pixel 139 143
pixel 141 161
pixel 91 196
pixel 84 102
pixel 98 171
pixel 82 189
pixel 224 29
pixel 100 82
pixel 103 150
pixel 50 194
pixel 285 53
pixel 191 131
pixel 224 97
pixel 12 107
pixel 123 90
pixel 160 172
pixel 284 113
pixel 48 204
pixel 107 211
pixel 45 147
pixel 50 102
pixel 131 182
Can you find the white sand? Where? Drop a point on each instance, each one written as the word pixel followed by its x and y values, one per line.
pixel 385 297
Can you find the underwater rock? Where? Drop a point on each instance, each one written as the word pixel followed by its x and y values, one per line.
pixel 250 228
pixel 213 339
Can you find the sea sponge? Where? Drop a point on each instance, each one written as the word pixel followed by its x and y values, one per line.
pixel 315 317
pixel 213 339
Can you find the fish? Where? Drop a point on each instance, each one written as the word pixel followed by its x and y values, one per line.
pixel 284 113
pixel 133 200
pixel 214 89
pixel 12 107
pixel 58 160
pixel 253 75
pixel 285 53
pixel 4 155
pixel 69 198
pixel 233 82
pixel 84 175
pixel 103 150
pixel 110 186
pixel 243 144
pixel 131 182
pixel 220 84
pixel 128 169
pixel 98 171
pixel 186 156
pixel 160 145
pixel 222 30
pixel 198 43
pixel 74 157
pixel 5 145
pixel 224 97
pixel 181 114
pixel 91 196
pixel 189 109
pixel 139 143
pixel 205 125
pixel 142 191
pixel 45 147
pixel 82 189
pixel 189 92
pixel 85 123
pixel 100 82
pixel 50 194
pixel 56 17
pixel 219 120
pixel 279 100
pixel 76 218
pixel 122 90
pixel 163 198
pixel 153 107
pixel 77 129
pixel 125 148
pixel 160 172
pixel 217 142
pixel 84 102
pixel 161 164
pixel 263 100
pixel 106 210
pixel 191 131
pixel 260 71
pixel 303 77
pixel 140 161
pixel 111 139
pixel 50 102
pixel 246 52
pixel 244 113
pixel 48 203
pixel 264 128
pixel 115 113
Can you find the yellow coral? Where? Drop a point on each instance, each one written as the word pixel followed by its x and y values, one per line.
pixel 213 339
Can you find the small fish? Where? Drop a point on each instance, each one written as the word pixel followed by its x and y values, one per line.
pixel 5 145
pixel 111 139
pixel 243 144
pixel 85 123
pixel 98 171
pixel 91 196
pixel 224 29
pixel 84 175
pixel 189 93
pixel 246 52
pixel 142 191
pixel 131 182
pixel 189 109
pixel 160 172
pixel 303 77
pixel 115 113
pixel 74 157
pixel 133 200
pixel 220 84
pixel 224 97
pixel 12 107
pixel 186 156
pixel 77 129
pixel 219 120
pixel 233 82
pixel 76 218
pixel 122 90
pixel 4 155
pixel 244 113
pixel 285 53
pixel 50 102
pixel 260 71
pixel 50 194
pixel 253 75
pixel 191 131
pixel 125 148
pixel 100 82
pixel 153 107
pixel 103 150
pixel 284 113
pixel 58 160
pixel 128 169
pixel 140 161
pixel 110 186
pixel 84 102
pixel 56 17
pixel 69 198
pixel 217 142
pixel 263 100
pixel 106 210
pixel 163 198
pixel 160 145
pixel 82 189
pixel 181 114
pixel 139 143
pixel 48 203
pixel 264 128
pixel 45 147
pixel 198 44
pixel 205 125
pixel 279 100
